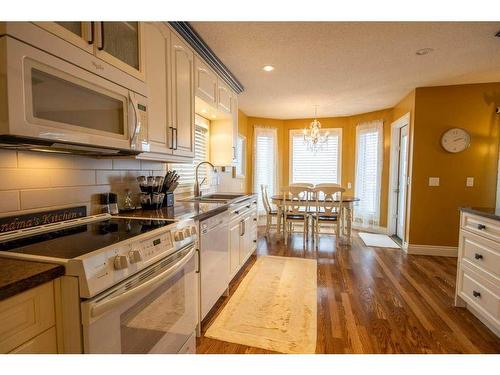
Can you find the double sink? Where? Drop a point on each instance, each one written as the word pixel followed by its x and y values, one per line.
pixel 218 198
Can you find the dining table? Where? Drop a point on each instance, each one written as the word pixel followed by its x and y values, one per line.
pixel 347 206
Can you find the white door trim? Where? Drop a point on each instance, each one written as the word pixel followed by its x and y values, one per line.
pixel 393 175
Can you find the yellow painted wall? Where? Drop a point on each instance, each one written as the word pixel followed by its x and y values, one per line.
pixel 434 216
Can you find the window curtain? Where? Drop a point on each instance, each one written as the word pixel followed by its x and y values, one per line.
pixel 265 161
pixel 369 159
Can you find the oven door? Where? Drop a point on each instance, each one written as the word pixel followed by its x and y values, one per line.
pixel 52 99
pixel 154 311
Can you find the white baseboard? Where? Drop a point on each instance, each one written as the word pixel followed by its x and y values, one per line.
pixel 444 251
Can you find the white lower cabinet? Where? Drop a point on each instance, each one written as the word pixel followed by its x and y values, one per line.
pixel 28 321
pixel 478 274
pixel 242 235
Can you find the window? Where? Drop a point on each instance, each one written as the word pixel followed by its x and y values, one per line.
pixel 187 171
pixel 369 152
pixel 240 163
pixel 322 166
pixel 265 159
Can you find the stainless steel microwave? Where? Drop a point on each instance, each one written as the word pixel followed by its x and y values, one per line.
pixel 49 103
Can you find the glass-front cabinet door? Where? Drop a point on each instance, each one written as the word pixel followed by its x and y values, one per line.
pixel 121 44
pixel 76 32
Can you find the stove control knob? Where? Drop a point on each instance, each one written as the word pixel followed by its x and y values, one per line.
pixel 120 262
pixel 193 230
pixel 135 256
pixel 179 235
pixel 187 232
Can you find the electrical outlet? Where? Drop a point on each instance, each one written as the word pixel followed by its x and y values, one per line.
pixel 469 182
pixel 349 185
pixel 433 181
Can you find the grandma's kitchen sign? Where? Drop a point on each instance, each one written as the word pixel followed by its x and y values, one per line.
pixel 8 224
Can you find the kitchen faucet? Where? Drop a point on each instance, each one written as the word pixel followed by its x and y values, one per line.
pixel 197 191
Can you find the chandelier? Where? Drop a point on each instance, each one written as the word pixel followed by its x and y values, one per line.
pixel 314 137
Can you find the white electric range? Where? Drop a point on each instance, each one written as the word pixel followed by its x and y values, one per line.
pixel 129 284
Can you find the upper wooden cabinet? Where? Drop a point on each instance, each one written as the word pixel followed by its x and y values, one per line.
pixel 121 44
pixel 205 82
pixel 170 82
pixel 223 96
pixel 182 73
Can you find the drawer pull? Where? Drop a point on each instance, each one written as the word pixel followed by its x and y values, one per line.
pixel 476 294
pixel 481 226
pixel 478 256
pixel 254 219
pixel 255 241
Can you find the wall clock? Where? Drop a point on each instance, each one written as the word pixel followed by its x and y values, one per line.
pixel 455 140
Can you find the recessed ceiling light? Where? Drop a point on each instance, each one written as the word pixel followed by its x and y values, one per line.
pixel 203 110
pixel 268 68
pixel 424 51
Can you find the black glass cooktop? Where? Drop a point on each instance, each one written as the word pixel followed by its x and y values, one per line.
pixel 72 242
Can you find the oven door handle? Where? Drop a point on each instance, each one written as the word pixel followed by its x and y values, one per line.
pixel 100 308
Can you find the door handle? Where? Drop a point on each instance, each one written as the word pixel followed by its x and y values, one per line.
pixel 100 45
pixel 172 137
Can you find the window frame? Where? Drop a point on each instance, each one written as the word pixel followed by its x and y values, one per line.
pixel 290 152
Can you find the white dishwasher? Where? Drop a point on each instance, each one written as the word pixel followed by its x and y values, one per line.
pixel 214 261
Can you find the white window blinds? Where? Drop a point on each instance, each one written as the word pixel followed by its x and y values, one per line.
pixel 265 159
pixel 187 171
pixel 369 153
pixel 315 167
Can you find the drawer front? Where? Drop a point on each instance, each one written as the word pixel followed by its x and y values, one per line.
pixel 481 252
pixel 482 226
pixel 26 315
pixel 474 291
pixel 44 343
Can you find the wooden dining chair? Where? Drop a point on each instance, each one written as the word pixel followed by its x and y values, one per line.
pixel 303 184
pixel 270 211
pixel 328 209
pixel 296 209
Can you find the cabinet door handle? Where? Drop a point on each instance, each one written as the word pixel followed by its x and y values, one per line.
pixel 481 226
pixel 90 40
pixel 100 47
pixel 478 256
pixel 254 219
pixel 171 138
pixel 199 261
pixel 176 141
pixel 476 294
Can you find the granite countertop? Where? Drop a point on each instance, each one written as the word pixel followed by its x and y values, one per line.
pixel 16 276
pixel 489 212
pixel 185 210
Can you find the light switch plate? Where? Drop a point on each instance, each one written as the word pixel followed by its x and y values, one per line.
pixel 349 185
pixel 433 181
pixel 469 182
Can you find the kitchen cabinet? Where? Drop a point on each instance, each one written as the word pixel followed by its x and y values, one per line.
pixel 224 95
pixel 242 235
pixel 205 82
pixel 121 44
pixel 182 86
pixel 224 135
pixel 74 32
pixel 169 78
pixel 28 321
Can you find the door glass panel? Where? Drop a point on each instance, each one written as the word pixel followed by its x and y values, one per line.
pixel 59 100
pixel 121 39
pixel 74 26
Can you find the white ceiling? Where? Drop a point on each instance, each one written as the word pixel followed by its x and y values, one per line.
pixel 348 67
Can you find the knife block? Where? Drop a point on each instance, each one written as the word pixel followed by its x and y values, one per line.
pixel 168 201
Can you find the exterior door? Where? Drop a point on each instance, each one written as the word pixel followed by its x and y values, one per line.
pixel 121 45
pixel 402 182
pixel 182 74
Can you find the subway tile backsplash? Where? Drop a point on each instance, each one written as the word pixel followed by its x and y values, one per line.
pixel 32 181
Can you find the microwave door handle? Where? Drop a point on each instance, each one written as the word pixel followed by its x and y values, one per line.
pixel 137 122
pixel 104 306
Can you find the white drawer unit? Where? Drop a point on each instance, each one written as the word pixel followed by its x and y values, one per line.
pixel 478 274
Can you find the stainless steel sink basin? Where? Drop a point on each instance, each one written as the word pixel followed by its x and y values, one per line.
pixel 215 197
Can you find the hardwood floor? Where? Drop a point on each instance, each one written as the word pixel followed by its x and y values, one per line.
pixel 374 300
